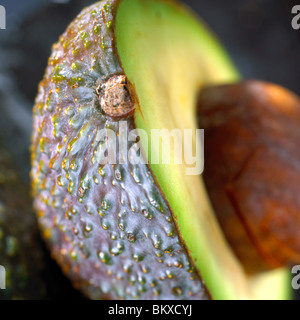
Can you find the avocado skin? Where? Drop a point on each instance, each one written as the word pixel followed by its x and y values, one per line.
pixel 108 226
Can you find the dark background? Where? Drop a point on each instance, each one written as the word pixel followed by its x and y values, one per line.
pixel 257 34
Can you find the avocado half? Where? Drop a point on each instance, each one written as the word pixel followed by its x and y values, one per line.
pixel 124 231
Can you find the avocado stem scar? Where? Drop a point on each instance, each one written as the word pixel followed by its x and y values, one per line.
pixel 115 98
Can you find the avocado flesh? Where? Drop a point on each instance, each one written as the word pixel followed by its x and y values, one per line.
pixel 271 285
pixel 167 55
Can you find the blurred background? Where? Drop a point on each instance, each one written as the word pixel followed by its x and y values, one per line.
pixel 257 34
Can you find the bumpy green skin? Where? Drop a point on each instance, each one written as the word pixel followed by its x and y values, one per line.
pixel 109 226
pixel 20 250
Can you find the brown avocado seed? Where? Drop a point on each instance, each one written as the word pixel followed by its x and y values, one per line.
pixel 115 98
pixel 252 170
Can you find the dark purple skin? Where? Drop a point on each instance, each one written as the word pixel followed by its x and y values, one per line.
pixel 108 226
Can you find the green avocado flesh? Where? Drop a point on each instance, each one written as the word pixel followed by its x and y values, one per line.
pixel 168 55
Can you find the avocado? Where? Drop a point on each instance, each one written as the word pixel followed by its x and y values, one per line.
pixel 129 229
